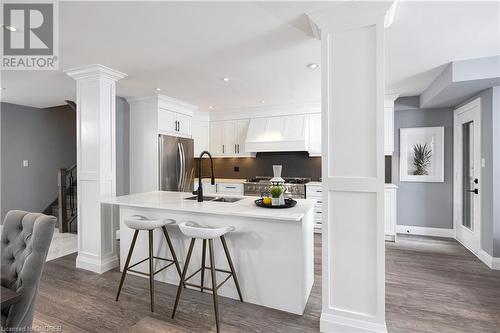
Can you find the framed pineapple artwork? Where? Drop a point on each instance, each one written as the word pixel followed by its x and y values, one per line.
pixel 421 154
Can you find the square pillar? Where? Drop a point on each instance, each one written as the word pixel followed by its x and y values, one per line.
pixel 96 165
pixel 352 64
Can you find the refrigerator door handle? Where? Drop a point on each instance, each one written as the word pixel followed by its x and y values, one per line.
pixel 160 175
pixel 179 175
pixel 183 167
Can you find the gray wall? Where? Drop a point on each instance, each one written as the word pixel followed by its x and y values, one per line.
pixel 45 137
pixel 424 204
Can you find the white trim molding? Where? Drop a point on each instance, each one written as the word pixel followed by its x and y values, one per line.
pixel 425 231
pixel 488 260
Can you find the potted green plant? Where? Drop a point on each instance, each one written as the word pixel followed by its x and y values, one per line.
pixel 276 193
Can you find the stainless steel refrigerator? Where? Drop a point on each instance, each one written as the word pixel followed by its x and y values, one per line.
pixel 177 163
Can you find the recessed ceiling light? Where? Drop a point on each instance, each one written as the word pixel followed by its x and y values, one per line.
pixel 2 88
pixel 313 65
pixel 158 89
pixel 263 102
pixel 10 28
pixel 210 107
pixel 225 79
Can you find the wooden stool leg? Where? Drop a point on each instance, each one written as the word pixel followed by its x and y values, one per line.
pixel 228 256
pixel 176 262
pixel 151 270
pixel 214 282
pixel 183 276
pixel 127 262
pixel 203 255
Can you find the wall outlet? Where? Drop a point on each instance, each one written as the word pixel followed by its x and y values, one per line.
pixel 236 169
pixel 26 163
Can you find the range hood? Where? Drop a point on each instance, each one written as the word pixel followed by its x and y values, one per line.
pixel 277 134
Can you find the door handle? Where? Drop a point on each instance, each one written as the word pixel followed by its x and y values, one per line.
pixel 475 191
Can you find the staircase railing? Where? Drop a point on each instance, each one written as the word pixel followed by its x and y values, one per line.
pixel 67 208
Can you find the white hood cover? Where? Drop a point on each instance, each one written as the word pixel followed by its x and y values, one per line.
pixel 275 134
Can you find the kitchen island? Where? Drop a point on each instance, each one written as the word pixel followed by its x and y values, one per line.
pixel 272 249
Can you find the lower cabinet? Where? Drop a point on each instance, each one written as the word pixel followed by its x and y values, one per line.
pixel 390 212
pixel 220 188
pixel 314 192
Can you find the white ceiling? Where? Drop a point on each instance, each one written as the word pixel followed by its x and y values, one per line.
pixel 264 47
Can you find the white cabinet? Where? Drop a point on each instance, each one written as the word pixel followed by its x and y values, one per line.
pixel 229 188
pixel 173 123
pixel 216 138
pixel 390 211
pixel 315 134
pixel 227 138
pixel 315 192
pixel 200 135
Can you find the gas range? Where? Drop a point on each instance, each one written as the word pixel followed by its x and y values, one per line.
pixel 294 186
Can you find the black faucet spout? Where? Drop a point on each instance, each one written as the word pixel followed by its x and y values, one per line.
pixel 200 185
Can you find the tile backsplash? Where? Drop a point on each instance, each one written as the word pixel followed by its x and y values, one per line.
pixel 295 164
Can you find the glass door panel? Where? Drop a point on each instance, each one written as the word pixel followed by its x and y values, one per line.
pixel 468 174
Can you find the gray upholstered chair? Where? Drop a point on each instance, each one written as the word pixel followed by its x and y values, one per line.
pixel 24 242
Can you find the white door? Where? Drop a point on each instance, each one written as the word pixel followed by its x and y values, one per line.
pixel 467 175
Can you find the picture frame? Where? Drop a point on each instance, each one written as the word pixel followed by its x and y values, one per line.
pixel 421 154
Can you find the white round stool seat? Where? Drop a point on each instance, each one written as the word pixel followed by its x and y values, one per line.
pixel 194 230
pixel 143 223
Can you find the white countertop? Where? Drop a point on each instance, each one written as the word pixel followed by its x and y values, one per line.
pixel 175 201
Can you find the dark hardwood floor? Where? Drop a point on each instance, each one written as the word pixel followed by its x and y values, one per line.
pixel 433 285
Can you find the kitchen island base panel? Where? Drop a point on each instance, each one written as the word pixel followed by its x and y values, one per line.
pixel 273 259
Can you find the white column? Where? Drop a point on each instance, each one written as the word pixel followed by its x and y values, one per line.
pixel 353 295
pixel 96 165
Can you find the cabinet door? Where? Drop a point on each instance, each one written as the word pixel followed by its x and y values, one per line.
pixel 200 134
pixel 229 137
pixel 183 124
pixel 315 134
pixel 241 134
pixel 216 136
pixel 166 121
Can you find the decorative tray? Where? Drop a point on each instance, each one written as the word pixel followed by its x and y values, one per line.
pixel 289 203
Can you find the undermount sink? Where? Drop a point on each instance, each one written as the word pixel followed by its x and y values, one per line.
pixel 204 198
pixel 227 199
pixel 216 199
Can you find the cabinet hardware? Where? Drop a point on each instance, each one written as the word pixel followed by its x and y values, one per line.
pixel 231 187
pixel 238 148
pixel 235 149
pixel 475 191
pixel 223 149
pixel 319 191
pixel 476 181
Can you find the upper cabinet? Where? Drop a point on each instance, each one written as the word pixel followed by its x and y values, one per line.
pixel 389 124
pixel 227 138
pixel 315 134
pixel 200 134
pixel 174 123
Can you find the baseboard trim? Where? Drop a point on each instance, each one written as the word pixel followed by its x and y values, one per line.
pixel 336 324
pixel 96 266
pixel 490 261
pixel 425 231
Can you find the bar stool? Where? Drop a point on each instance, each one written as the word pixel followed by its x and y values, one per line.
pixel 196 231
pixel 143 223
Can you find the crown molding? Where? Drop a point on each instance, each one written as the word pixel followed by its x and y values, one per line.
pixel 266 111
pixel 165 102
pixel 95 71
pixel 347 15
